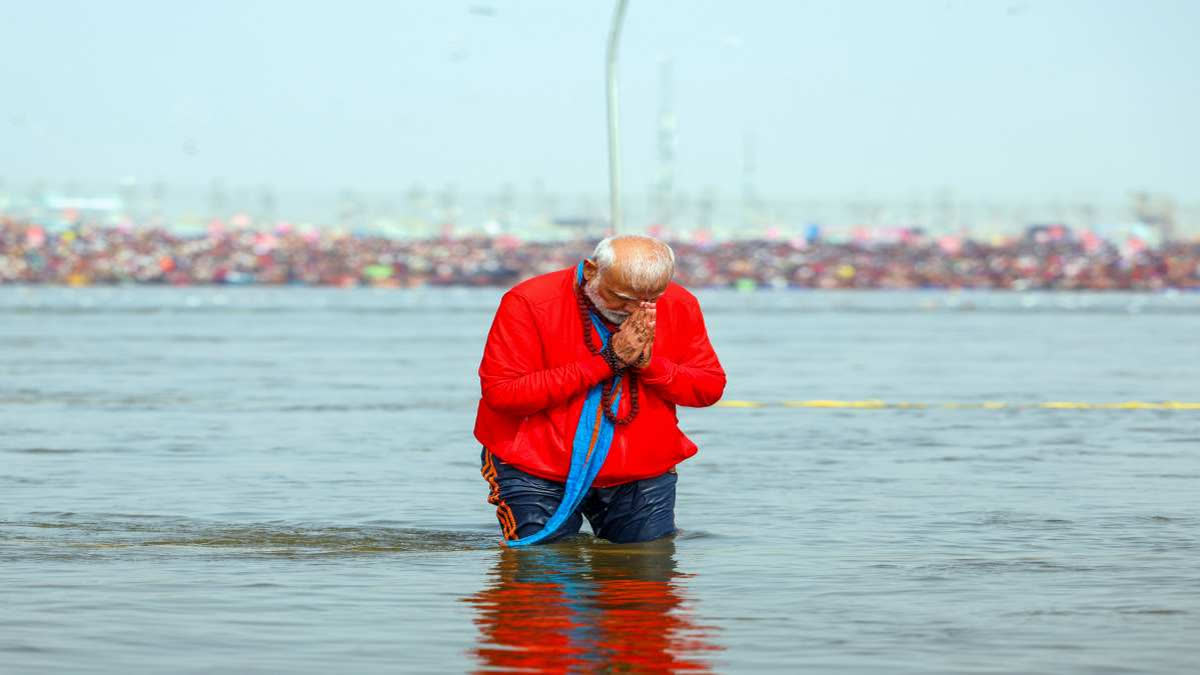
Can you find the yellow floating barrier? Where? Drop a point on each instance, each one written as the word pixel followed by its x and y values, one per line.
pixel 835 404
pixel 739 404
pixel 1181 405
pixel 1137 405
pixel 876 404
pixel 1066 405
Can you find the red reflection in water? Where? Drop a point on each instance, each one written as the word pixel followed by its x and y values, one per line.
pixel 572 606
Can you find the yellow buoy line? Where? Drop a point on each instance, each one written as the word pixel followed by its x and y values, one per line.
pixel 875 404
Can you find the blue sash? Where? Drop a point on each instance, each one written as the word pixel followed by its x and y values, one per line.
pixel 593 437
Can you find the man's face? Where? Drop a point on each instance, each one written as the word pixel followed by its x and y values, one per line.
pixel 612 294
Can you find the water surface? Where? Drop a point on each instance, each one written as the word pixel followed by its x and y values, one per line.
pixel 284 480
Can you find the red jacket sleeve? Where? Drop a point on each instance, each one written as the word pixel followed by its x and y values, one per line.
pixel 698 379
pixel 513 376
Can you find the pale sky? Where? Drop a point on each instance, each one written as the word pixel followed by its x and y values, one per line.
pixel 888 97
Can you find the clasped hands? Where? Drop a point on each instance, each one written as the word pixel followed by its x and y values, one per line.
pixel 633 342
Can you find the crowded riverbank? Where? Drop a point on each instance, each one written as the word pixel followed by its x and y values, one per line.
pixel 1042 258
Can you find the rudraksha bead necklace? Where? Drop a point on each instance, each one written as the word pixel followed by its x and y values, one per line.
pixel 608 390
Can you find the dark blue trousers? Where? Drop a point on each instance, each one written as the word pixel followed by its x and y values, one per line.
pixel 641 510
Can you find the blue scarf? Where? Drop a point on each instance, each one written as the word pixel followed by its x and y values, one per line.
pixel 593 437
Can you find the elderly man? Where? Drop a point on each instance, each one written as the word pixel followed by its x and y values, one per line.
pixel 580 377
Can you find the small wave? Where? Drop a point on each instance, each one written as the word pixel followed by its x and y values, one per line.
pixel 689 535
pixel 147 532
pixel 1011 520
pixel 357 407
pixel 989 566
pixel 377 406
pixel 68 533
pixel 22 480
pixel 97 399
pixel 1079 611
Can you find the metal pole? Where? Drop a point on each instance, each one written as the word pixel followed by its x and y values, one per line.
pixel 614 149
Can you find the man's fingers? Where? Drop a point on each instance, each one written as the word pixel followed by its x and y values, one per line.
pixel 641 324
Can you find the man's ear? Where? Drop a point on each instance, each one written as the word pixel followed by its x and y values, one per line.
pixel 589 270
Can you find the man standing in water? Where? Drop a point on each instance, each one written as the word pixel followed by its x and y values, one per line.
pixel 580 377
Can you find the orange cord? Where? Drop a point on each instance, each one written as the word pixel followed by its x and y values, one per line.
pixel 508 522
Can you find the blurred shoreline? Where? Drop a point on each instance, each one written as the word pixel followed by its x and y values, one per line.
pixel 1053 257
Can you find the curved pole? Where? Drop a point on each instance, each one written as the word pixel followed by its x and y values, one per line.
pixel 614 149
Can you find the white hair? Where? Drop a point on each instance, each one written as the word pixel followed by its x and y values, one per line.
pixel 645 272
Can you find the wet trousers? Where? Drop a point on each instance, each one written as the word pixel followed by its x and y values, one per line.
pixel 641 510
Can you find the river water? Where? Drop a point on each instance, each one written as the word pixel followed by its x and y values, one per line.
pixel 284 480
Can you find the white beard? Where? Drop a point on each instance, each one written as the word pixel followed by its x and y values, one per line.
pixel 590 289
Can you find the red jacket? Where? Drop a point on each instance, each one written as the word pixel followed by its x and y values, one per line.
pixel 536 372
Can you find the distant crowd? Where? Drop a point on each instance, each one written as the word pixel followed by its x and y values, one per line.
pixel 1042 258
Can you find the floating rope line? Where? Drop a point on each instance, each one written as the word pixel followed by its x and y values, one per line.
pixel 875 404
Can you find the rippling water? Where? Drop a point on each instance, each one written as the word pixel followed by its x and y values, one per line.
pixel 284 480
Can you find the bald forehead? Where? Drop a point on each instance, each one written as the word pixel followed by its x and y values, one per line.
pixel 617 276
pixel 622 288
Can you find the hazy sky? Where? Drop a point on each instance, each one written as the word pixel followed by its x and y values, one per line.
pixel 986 98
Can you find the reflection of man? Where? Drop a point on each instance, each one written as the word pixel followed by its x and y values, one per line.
pixel 580 377
pixel 577 608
